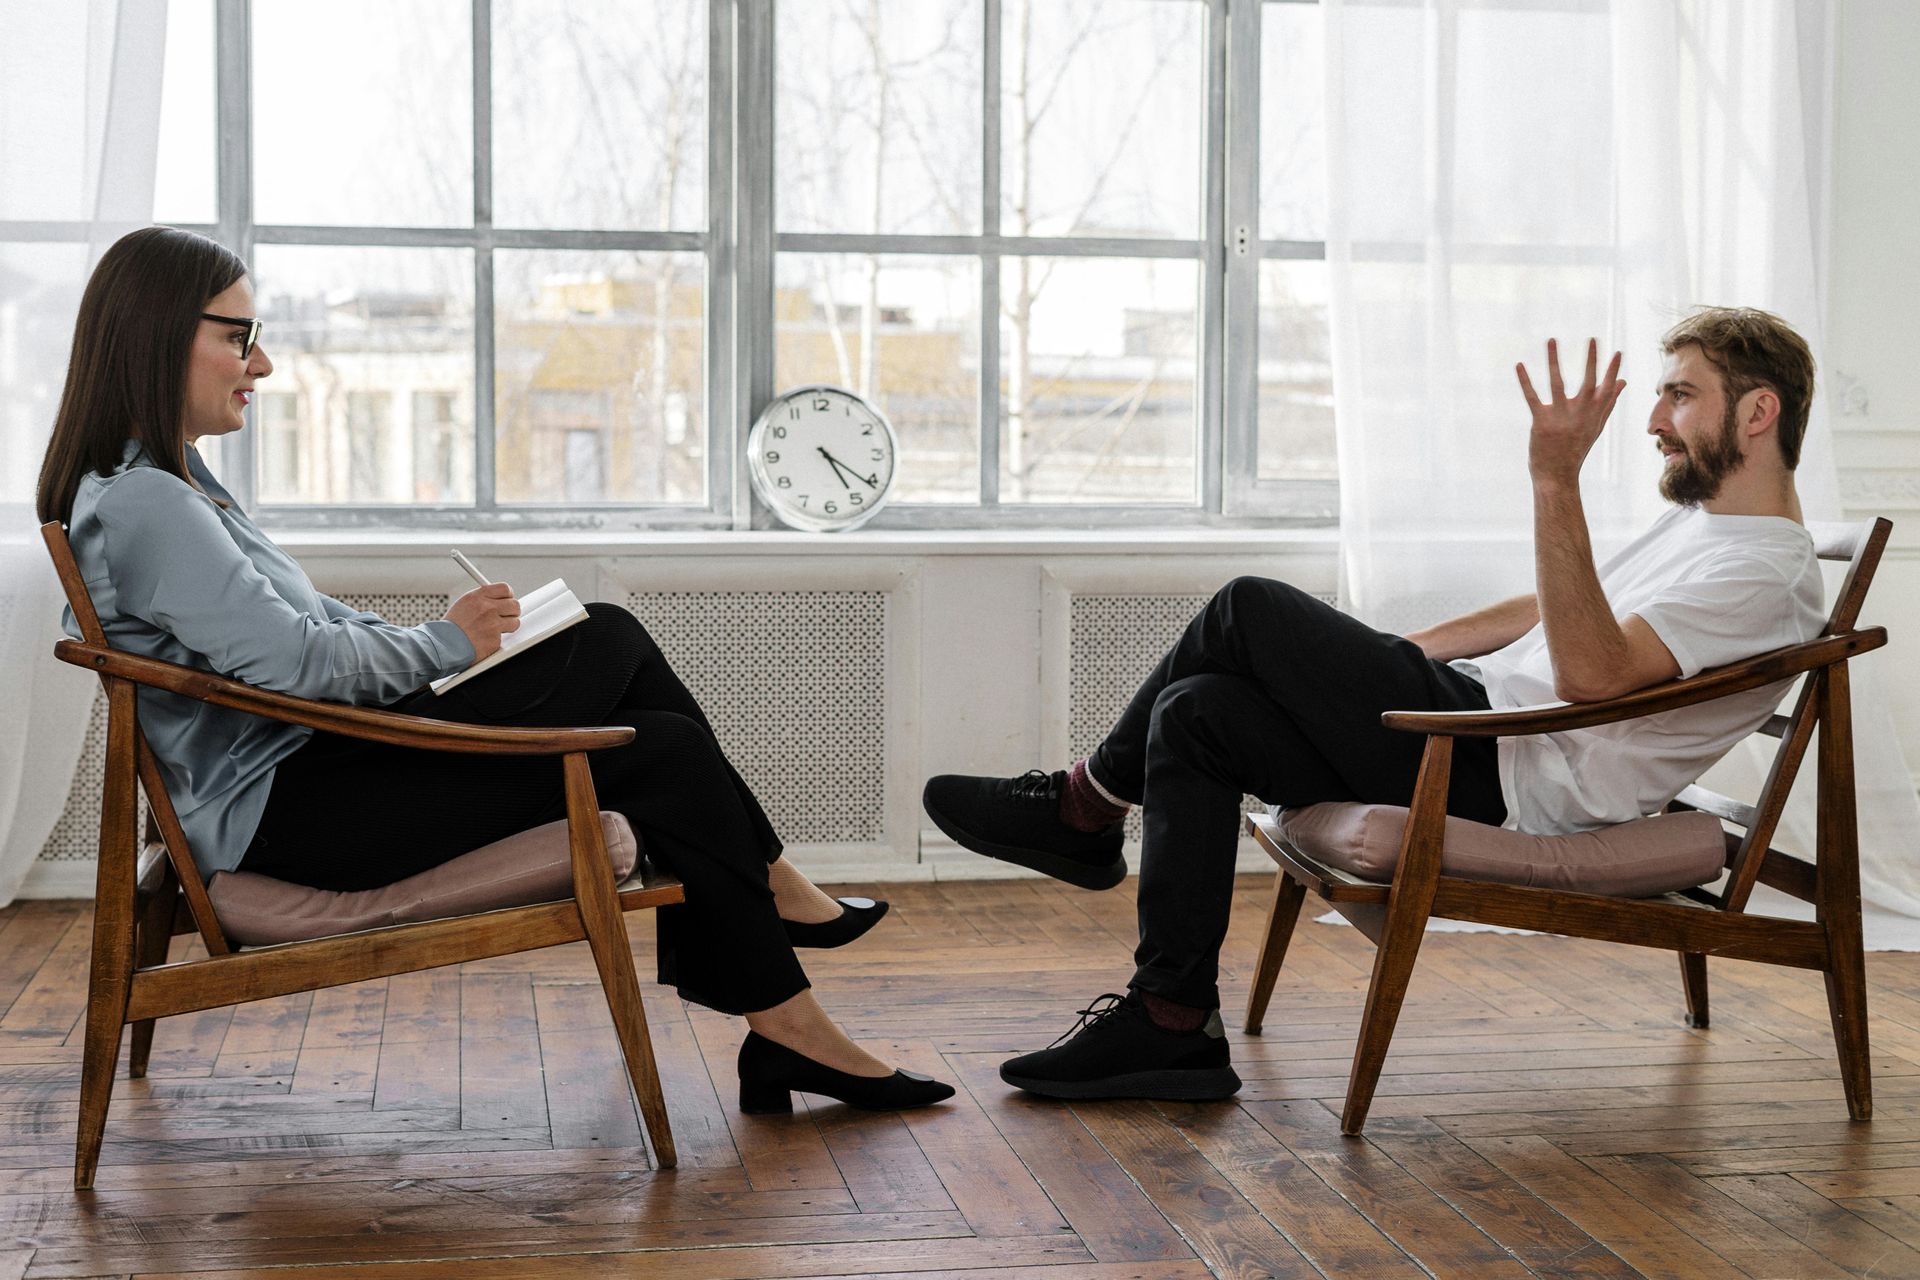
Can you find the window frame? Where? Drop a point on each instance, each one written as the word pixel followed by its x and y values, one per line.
pixel 740 242
pixel 1227 440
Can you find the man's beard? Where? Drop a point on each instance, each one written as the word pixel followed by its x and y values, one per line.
pixel 1702 469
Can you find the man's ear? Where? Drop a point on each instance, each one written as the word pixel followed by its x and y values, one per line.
pixel 1758 412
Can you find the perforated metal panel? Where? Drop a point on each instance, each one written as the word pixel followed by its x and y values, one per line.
pixel 401 609
pixel 1114 641
pixel 76 837
pixel 794 683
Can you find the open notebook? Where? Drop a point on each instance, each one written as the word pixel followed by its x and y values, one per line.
pixel 545 611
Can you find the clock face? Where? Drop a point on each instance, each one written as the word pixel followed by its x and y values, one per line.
pixel 822 458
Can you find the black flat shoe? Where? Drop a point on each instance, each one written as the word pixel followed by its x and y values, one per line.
pixel 857 915
pixel 770 1072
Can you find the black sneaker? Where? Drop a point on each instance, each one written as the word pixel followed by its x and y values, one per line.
pixel 1018 820
pixel 1120 1052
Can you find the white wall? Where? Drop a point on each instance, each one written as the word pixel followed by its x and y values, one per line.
pixel 1872 373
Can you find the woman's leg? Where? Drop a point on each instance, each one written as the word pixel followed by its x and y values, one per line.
pixel 803 1026
pixel 724 946
pixel 587 675
pixel 653 685
pixel 797 898
pixel 346 814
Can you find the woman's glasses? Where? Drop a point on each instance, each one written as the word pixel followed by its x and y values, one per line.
pixel 251 326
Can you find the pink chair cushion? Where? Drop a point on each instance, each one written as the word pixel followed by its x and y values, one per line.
pixel 1635 859
pixel 533 866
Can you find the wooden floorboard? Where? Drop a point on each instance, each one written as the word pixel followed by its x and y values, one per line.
pixel 1544 1113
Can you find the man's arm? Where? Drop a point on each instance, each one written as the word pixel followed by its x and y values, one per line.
pixel 1482 631
pixel 1595 655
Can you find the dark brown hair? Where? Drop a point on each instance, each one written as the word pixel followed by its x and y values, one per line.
pixel 127 376
pixel 1753 348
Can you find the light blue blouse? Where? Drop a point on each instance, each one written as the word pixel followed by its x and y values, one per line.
pixel 175 576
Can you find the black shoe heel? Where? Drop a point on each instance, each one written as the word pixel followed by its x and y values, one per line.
pixel 769 1071
pixel 761 1099
pixel 857 915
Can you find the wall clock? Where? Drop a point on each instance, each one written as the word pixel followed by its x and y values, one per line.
pixel 822 458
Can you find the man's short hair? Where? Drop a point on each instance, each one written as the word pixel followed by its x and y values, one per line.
pixel 1753 348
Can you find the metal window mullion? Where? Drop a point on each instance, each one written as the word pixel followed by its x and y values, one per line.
pixel 1243 249
pixel 1210 457
pixel 754 234
pixel 233 167
pixel 484 498
pixel 989 389
pixel 723 383
pixel 468 237
pixel 1048 246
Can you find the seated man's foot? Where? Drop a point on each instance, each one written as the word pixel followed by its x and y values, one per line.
pixel 1120 1052
pixel 1018 820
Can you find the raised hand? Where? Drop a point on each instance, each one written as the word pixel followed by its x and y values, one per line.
pixel 1565 427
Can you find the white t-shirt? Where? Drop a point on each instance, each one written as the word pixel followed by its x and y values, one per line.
pixel 1715 589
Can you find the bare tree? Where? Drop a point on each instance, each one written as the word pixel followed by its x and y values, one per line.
pixel 1033 94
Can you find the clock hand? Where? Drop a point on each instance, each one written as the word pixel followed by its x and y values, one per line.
pixel 872 481
pixel 839 471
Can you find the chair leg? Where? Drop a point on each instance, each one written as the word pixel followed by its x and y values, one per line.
pixel 155 932
pixel 606 930
pixel 1693 976
pixel 1392 968
pixel 106 1018
pixel 110 976
pixel 1837 891
pixel 1847 1007
pixel 607 936
pixel 1281 918
pixel 1415 882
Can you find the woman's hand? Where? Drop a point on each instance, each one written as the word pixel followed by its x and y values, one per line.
pixel 485 614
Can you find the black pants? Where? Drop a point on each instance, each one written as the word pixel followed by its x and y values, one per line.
pixel 1274 693
pixel 348 814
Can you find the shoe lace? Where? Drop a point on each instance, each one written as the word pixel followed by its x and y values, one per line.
pixel 1034 784
pixel 1102 1008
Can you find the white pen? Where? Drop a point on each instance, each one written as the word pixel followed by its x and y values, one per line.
pixel 472 572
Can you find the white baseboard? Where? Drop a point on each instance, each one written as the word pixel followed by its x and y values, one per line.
pixel 62 879
pixel 940 859
pixel 949 861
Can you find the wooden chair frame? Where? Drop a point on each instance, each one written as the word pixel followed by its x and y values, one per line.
pixel 147 892
pixel 1696 923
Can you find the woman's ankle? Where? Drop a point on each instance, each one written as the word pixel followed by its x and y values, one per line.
pixel 797 898
pixel 803 1026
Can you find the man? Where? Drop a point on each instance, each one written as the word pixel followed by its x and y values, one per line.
pixel 1273 692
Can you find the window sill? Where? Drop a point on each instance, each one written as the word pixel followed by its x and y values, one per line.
pixel 865 542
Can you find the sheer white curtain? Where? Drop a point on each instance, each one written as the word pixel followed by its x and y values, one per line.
pixel 79 121
pixel 1501 173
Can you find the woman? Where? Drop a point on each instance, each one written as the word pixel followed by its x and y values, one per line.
pixel 166 352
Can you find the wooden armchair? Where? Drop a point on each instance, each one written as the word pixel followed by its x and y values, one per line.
pixel 148 892
pixel 1694 922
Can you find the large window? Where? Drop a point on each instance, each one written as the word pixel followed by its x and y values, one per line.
pixel 539 264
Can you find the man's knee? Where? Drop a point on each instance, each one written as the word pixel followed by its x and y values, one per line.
pixel 1211 723
pixel 1185 707
pixel 1253 601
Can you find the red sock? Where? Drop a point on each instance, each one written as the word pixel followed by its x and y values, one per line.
pixel 1082 807
pixel 1173 1017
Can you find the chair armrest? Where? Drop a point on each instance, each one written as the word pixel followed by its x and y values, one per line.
pixel 391 727
pixel 1738 677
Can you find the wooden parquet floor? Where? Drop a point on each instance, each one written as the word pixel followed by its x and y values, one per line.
pixel 1544 1113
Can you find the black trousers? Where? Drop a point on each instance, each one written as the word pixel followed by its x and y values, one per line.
pixel 1274 693
pixel 348 814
